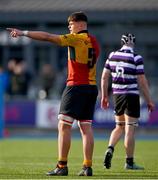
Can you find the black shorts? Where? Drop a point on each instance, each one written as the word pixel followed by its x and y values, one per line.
pixel 78 102
pixel 127 104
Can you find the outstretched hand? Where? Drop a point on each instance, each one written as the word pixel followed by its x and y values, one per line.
pixel 14 32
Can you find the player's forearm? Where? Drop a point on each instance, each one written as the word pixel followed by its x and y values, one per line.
pixel 42 36
pixel 38 35
pixel 146 94
pixel 104 87
pixel 105 83
pixel 143 84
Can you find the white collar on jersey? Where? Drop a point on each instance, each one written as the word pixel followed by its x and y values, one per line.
pixel 127 48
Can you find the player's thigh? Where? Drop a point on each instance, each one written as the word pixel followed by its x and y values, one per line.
pixel 90 101
pixel 120 103
pixel 86 109
pixel 133 107
pixel 78 103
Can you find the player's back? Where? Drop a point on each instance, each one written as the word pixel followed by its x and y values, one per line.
pixel 123 65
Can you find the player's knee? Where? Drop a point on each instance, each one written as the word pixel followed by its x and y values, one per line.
pixel 84 122
pixel 85 126
pixel 132 123
pixel 120 123
pixel 65 119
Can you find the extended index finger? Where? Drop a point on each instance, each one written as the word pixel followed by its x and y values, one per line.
pixel 9 29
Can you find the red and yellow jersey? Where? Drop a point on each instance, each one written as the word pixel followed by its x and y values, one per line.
pixel 83 51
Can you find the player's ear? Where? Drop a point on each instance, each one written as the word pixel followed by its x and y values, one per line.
pixel 82 24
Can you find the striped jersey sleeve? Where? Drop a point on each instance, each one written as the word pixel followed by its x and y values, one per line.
pixel 107 65
pixel 139 64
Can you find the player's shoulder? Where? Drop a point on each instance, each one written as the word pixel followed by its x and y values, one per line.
pixel 111 54
pixel 137 56
pixel 76 36
pixel 67 35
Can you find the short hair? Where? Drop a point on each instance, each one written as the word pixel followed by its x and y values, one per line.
pixel 78 16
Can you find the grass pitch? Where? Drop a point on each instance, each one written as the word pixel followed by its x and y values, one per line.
pixel 32 158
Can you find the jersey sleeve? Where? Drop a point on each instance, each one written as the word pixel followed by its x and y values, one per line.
pixel 68 39
pixel 139 64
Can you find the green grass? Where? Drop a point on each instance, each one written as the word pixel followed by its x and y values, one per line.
pixel 31 159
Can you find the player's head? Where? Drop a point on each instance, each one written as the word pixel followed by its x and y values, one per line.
pixel 78 16
pixel 128 39
pixel 77 22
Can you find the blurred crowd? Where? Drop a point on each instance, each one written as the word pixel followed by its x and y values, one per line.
pixel 20 83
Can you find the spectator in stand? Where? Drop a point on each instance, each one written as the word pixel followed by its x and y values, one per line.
pixel 19 78
pixel 46 81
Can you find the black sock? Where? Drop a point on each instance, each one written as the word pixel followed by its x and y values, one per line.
pixel 62 163
pixel 129 161
pixel 111 147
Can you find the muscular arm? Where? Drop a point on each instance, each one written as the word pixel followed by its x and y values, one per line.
pixel 37 35
pixel 44 36
pixel 104 88
pixel 143 84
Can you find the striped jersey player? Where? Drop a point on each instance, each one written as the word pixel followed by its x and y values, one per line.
pixel 125 65
pixel 127 71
